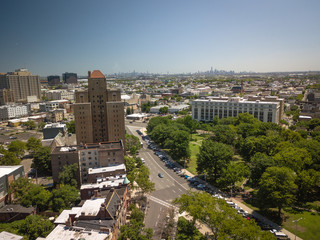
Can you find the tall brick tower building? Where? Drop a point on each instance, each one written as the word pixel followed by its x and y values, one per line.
pixel 99 112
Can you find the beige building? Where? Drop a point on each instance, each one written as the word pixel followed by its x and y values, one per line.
pixel 6 96
pixel 99 112
pixel 22 83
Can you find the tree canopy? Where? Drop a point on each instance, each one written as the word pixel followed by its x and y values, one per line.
pixel 213 158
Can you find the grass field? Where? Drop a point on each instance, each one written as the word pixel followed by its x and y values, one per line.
pixel 194 150
pixel 306 228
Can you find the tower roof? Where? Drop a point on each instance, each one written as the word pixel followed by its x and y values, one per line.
pixel 126 181
pixel 97 74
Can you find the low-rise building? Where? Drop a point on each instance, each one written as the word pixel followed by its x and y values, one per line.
pixel 12 111
pixel 178 108
pixel 52 130
pixel 8 174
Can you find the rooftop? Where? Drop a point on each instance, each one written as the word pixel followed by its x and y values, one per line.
pixel 9 236
pixel 5 170
pixel 91 207
pixel 106 169
pixel 97 74
pixel 63 232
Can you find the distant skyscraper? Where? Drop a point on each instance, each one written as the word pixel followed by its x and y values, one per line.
pixel 99 112
pixel 70 78
pixel 22 84
pixel 53 80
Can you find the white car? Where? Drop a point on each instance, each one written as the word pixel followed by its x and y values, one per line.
pixel 142 160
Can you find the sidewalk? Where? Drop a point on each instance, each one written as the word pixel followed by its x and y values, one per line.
pixel 264 219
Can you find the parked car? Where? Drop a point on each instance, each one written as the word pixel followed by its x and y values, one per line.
pixel 160 175
pixel 142 160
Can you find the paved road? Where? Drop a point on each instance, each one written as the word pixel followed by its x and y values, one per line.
pixel 167 188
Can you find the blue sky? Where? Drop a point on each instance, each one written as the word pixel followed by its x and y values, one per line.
pixel 52 37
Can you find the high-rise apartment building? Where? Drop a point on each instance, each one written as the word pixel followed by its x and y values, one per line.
pixel 22 84
pixel 70 78
pixel 99 112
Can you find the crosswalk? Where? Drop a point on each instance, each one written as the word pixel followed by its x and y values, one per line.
pixel 163 203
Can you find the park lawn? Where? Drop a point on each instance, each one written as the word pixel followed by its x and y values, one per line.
pixel 194 150
pixel 192 165
pixel 307 227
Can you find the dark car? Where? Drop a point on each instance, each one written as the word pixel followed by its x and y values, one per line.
pixel 160 175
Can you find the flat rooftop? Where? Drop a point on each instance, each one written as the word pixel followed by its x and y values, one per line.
pixel 5 170
pixel 106 169
pixel 62 232
pixel 103 183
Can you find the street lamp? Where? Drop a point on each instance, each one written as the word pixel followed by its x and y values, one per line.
pixel 296 221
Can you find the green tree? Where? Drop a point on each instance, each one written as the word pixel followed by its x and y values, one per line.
pixel 29 194
pixel 222 220
pixel 132 143
pixel 295 158
pixel 142 179
pixel 308 184
pixel 9 159
pixel 64 197
pixel 71 126
pixel 277 188
pixel 68 175
pixel 134 230
pixel 213 157
pixel 258 165
pixel 178 143
pixel 235 172
pixel 42 160
pixel 187 231
pixel 163 110
pixel 224 134
pixel 33 145
pixel 41 125
pixel 155 121
pixel 30 125
pixel 17 147
pixel 35 226
pixel 130 164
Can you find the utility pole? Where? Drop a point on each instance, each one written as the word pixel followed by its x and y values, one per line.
pixel 296 221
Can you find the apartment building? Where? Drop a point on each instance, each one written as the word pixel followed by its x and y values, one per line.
pixel 12 111
pixel 59 94
pixel 22 84
pixel 99 112
pixel 88 156
pixel 207 109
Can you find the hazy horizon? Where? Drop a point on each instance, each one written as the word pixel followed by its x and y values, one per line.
pixel 160 36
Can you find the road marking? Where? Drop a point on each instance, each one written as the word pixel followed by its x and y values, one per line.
pixel 166 172
pixel 161 202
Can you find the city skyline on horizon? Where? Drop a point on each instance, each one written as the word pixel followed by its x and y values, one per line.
pixel 160 37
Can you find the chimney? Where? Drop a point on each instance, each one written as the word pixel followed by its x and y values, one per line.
pixel 89 74
pixel 71 219
pixel 95 193
pixel 103 211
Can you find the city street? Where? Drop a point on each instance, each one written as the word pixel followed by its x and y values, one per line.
pixel 168 188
